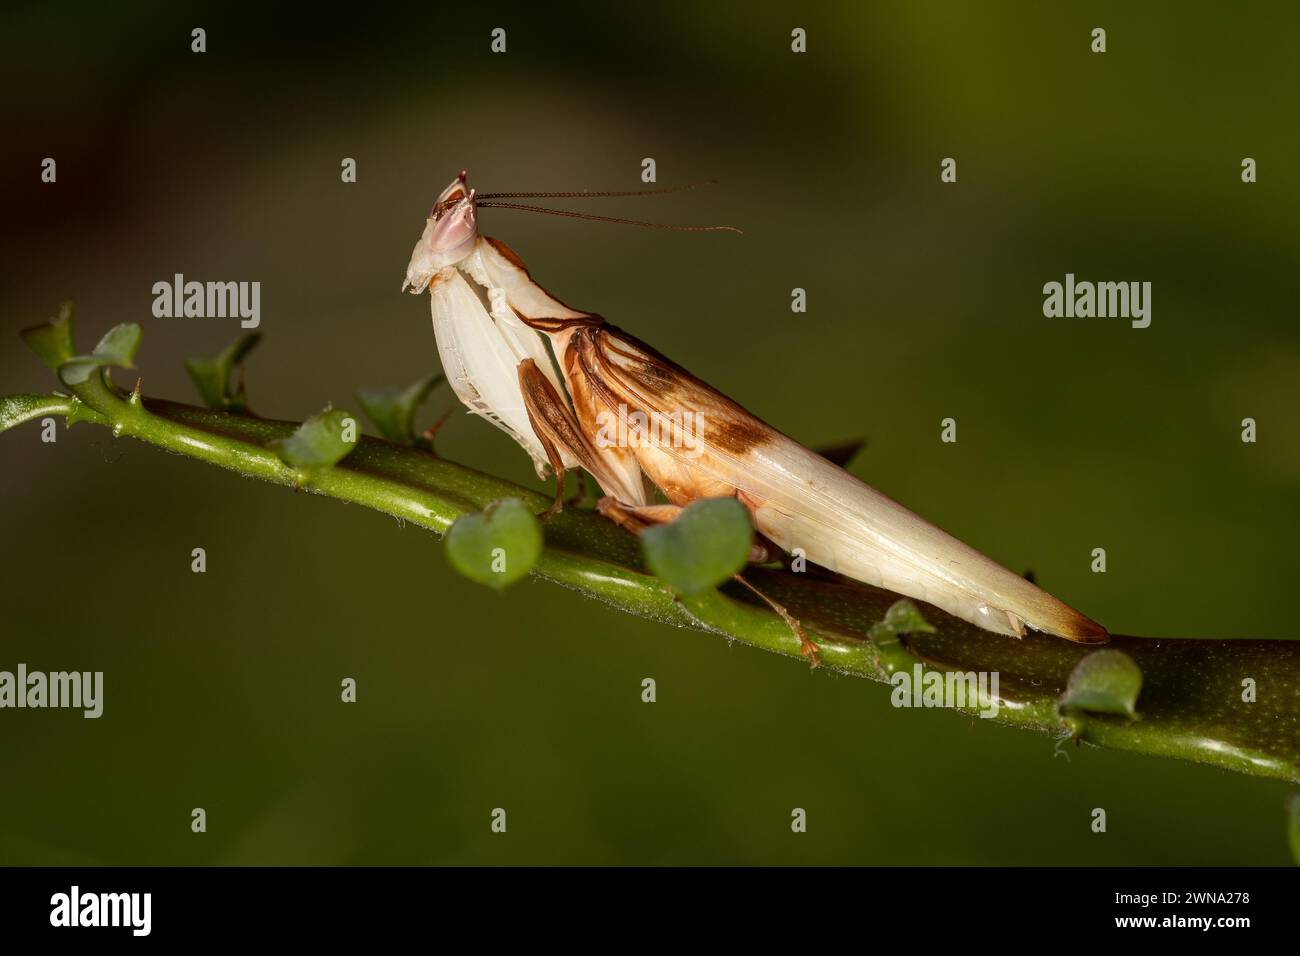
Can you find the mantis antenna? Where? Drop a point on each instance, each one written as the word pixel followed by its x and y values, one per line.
pixel 626 222
pixel 601 194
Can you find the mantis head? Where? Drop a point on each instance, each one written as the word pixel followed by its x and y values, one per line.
pixel 449 236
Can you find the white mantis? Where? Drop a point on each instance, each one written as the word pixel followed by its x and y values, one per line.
pixel 497 331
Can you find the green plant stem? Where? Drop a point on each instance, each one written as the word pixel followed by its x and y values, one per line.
pixel 1190 706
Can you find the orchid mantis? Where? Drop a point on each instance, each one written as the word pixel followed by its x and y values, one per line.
pixel 561 382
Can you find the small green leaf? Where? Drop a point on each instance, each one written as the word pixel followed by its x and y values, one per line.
pixel 321 441
pixel 901 618
pixel 393 408
pixel 1293 827
pixel 52 340
pixel 213 377
pixel 117 348
pixel 707 544
pixel 1104 682
pixel 496 546
pixel 118 345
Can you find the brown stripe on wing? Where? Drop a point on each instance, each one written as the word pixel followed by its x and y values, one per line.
pixel 512 257
pixel 653 382
pixel 558 430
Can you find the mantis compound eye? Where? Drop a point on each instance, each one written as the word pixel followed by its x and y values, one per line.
pixel 449 197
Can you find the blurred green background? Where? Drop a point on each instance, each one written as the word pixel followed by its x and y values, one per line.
pixel 222 690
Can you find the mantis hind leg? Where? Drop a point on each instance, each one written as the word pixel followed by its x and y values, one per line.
pixel 637 518
pixel 806 646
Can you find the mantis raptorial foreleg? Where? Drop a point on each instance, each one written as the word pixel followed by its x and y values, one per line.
pixel 555 426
